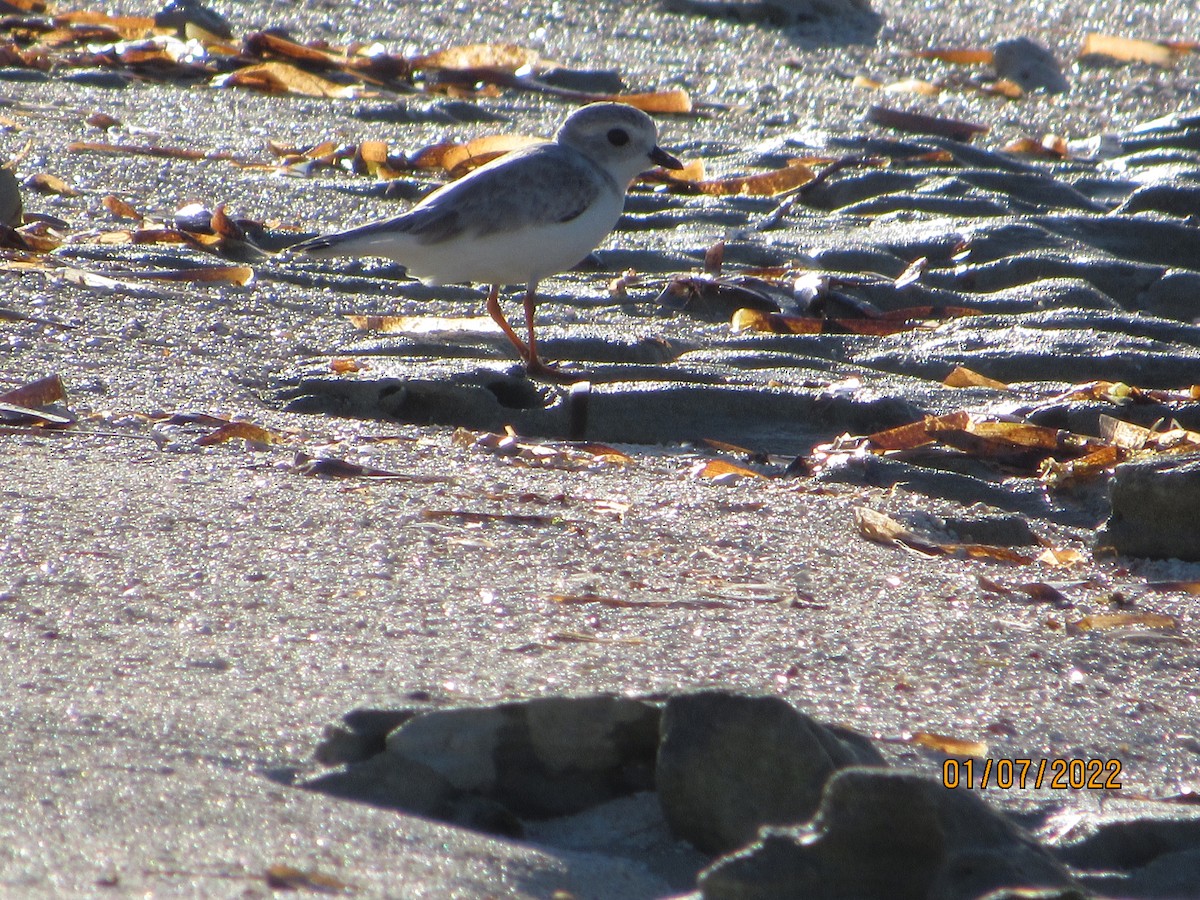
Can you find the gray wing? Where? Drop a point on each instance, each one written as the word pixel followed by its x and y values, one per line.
pixel 546 183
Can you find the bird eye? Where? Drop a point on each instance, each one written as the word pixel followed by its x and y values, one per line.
pixel 618 137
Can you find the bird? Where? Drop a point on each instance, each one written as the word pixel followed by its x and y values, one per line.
pixel 521 217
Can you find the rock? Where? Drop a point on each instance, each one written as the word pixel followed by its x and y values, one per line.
pixel 630 828
pixel 482 767
pixel 546 757
pixel 775 12
pixel 1032 189
pixel 594 81
pixel 179 14
pixel 966 206
pixel 1154 505
pixel 1003 190
pixel 1116 280
pixel 856 187
pixel 1030 65
pixel 1168 876
pixel 24 75
pixel 729 763
pixel 892 836
pixel 1140 857
pixel 1030 296
pixel 1132 843
pixel 1045 293
pixel 790 12
pixel 364 736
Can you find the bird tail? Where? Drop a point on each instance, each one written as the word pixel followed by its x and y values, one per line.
pixel 366 240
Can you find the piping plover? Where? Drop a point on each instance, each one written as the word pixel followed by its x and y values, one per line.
pixel 519 218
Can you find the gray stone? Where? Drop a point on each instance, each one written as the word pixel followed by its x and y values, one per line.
pixel 968 206
pixel 596 81
pixel 776 12
pixel 1039 294
pixel 1171 873
pixel 546 757
pixel 1030 65
pixel 481 767
pixel 892 836
pixel 729 763
pixel 179 14
pixel 364 736
pixel 1168 876
pixel 1117 280
pixel 1154 509
pixel 1131 844
pixel 98 78
pixel 1141 857
pixel 789 12
pixel 1143 239
pixel 716 299
pixel 1034 189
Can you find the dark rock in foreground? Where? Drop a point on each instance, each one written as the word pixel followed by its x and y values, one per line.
pixel 551 756
pixel 1154 509
pixel 729 763
pixel 801 809
pixel 483 767
pixel 891 836
pixel 1139 858
pixel 1030 65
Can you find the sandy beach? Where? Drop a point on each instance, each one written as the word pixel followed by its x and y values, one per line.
pixel 181 619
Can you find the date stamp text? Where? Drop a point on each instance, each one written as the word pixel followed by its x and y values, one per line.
pixel 1021 774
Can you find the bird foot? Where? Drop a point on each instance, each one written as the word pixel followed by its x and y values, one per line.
pixel 544 371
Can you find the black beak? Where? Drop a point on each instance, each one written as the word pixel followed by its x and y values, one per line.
pixel 663 158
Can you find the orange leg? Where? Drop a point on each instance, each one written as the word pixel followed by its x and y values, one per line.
pixel 528 351
pixel 534 364
pixel 493 308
